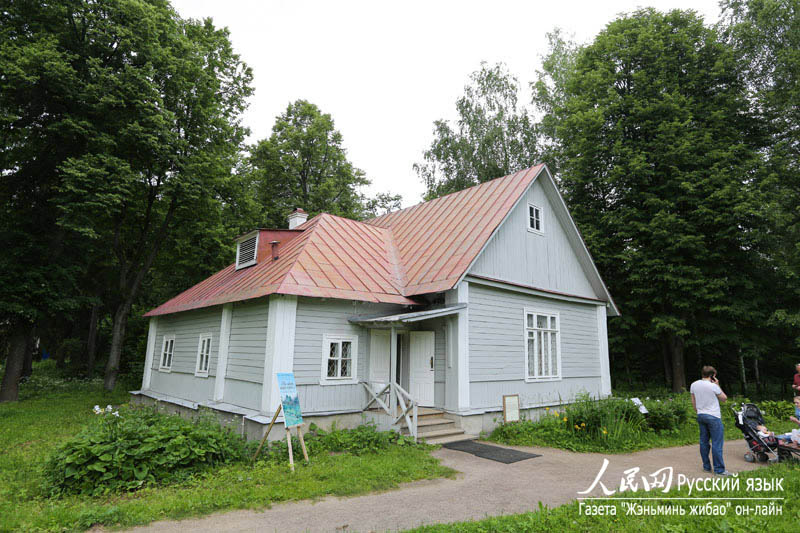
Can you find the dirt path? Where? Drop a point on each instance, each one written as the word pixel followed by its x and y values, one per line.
pixel 484 488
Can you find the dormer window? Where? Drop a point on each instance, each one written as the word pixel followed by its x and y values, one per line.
pixel 246 250
pixel 535 219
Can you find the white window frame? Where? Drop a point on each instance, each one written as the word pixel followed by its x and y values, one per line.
pixel 327 340
pixel 198 370
pixel 239 242
pixel 161 366
pixel 550 313
pixel 540 230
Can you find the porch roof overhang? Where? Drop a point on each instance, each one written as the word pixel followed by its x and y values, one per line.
pixel 406 318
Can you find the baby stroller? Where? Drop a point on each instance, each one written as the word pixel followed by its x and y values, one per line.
pixel 763 450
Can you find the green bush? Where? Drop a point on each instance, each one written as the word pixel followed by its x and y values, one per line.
pixel 358 441
pixel 584 425
pixel 777 409
pixel 666 415
pixel 127 449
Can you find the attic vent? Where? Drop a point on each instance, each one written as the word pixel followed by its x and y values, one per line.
pixel 246 251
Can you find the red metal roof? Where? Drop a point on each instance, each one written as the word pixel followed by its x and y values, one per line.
pixel 438 240
pixel 421 249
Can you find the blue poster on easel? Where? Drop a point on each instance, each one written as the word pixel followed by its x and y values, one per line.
pixel 291 403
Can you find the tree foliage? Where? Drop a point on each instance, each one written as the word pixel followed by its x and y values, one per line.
pixel 122 123
pixel 493 136
pixel 766 34
pixel 651 131
pixel 304 164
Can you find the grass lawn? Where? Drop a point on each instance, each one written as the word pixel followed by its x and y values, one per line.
pixel 51 411
pixel 570 518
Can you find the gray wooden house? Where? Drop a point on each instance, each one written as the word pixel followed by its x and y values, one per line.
pixel 419 320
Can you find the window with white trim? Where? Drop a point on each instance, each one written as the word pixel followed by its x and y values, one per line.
pixel 339 359
pixel 542 345
pixel 535 219
pixel 167 349
pixel 203 356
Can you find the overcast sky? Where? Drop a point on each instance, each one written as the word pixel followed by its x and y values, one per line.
pixel 385 71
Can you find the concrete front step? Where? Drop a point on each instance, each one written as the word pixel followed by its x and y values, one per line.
pixel 434 424
pixel 438 421
pixel 451 438
pixel 422 412
pixel 444 432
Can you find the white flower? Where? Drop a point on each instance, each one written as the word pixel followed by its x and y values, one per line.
pixel 115 413
pixel 109 408
pixel 97 410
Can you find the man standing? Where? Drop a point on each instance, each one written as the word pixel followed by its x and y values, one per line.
pixel 706 396
pixel 796 382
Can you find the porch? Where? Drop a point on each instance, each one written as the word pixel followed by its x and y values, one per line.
pixel 412 375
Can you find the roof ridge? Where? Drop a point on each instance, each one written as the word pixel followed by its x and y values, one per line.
pixel 525 170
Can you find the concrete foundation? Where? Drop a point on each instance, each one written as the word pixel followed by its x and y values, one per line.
pixel 477 423
pixel 249 426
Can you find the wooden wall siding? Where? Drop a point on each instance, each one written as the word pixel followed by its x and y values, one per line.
pixel 496 343
pixel 317 317
pixel 181 385
pixel 544 261
pixel 439 347
pixel 187 328
pixel 243 393
pixel 439 360
pixel 248 341
pixel 324 399
pixel 489 394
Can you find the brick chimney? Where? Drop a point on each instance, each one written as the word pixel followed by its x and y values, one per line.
pixel 297 217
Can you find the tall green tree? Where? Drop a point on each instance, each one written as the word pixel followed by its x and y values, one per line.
pixel 304 164
pixel 39 275
pixel 766 34
pixel 135 112
pixel 493 136
pixel 652 134
pixel 549 93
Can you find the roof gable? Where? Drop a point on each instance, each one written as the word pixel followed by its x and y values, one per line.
pixel 556 260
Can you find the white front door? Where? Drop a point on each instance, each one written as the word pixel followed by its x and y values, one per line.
pixel 420 378
pixel 379 357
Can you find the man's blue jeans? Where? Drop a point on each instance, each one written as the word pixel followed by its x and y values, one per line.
pixel 711 427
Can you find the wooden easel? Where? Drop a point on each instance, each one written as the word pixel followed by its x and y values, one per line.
pixel 288 439
pixel 302 444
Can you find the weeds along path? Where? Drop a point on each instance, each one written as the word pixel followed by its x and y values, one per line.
pixel 483 488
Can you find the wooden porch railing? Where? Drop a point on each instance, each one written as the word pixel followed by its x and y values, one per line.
pixel 404 408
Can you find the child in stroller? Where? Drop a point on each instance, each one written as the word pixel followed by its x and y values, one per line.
pixel 770 437
pixel 762 448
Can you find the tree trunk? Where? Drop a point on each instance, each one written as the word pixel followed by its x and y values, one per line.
pixel 667 363
pixel 27 367
pixel 9 389
pixel 117 340
pixel 742 376
pixel 59 356
pixel 678 363
pixel 91 341
pixel 756 375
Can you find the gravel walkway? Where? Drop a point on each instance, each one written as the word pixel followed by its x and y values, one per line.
pixel 484 488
